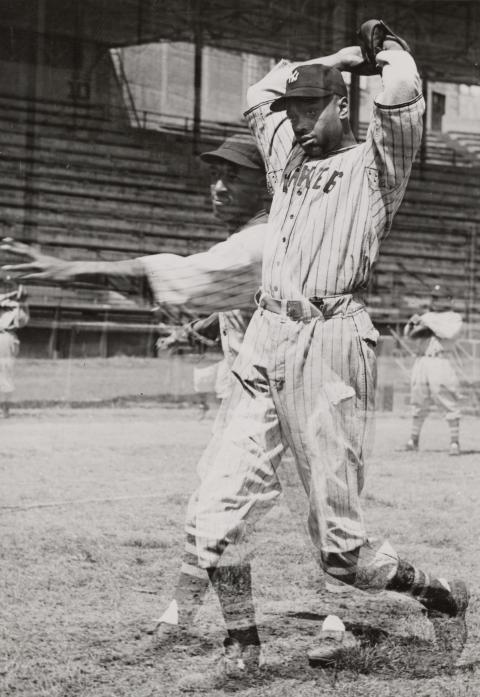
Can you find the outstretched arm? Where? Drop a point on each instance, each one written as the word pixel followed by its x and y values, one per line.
pixel 44 267
pixel 225 277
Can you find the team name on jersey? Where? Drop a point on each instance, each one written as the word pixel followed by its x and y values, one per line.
pixel 309 176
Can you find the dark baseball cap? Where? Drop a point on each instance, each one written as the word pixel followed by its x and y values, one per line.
pixel 439 291
pixel 311 81
pixel 240 149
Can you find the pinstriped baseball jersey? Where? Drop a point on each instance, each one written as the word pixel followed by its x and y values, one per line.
pixel 329 215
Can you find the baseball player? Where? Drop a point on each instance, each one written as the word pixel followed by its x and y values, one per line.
pixel 13 315
pixel 307 363
pixel 224 277
pixel 434 379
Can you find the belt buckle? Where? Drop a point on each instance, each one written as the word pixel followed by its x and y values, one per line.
pixel 318 304
pixel 294 309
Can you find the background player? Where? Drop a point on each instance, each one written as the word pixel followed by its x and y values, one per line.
pixel 434 380
pixel 13 315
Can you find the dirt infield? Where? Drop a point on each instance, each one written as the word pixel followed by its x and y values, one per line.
pixel 91 509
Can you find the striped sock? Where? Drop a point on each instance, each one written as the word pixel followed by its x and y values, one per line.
pixel 454 425
pixel 233 585
pixel 417 423
pixel 192 583
pixel 340 568
pixel 433 593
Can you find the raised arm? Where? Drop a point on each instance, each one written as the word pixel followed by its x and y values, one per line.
pixel 273 84
pixel 400 78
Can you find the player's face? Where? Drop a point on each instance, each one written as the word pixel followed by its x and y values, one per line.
pixel 317 123
pixel 236 191
pixel 440 304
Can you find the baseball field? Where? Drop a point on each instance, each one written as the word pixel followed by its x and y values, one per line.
pixel 92 501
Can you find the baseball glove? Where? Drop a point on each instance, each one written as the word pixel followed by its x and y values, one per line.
pixel 372 36
pixel 195 336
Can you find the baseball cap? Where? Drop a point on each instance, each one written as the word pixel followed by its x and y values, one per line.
pixel 311 81
pixel 240 149
pixel 439 291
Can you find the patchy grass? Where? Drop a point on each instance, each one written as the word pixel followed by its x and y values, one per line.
pixel 91 509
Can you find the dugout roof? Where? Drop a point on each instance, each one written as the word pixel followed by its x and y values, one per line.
pixel 443 34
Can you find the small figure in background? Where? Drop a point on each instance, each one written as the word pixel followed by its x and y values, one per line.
pixel 434 380
pixel 13 315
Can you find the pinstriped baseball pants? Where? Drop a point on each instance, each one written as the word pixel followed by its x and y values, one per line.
pixel 307 385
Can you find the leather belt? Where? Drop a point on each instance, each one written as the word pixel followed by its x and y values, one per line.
pixel 293 309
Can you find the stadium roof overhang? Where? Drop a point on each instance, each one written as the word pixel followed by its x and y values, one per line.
pixel 444 34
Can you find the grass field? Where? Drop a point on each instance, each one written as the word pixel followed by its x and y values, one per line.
pixel 91 508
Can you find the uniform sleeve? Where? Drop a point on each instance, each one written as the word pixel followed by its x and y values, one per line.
pixel 225 277
pixel 392 142
pixel 445 325
pixel 271 130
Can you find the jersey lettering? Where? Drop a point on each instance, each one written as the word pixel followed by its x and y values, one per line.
pixel 332 181
pixel 309 178
pixel 305 176
pixel 321 172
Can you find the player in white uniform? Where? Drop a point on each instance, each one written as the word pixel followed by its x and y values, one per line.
pixel 434 379
pixel 307 364
pixel 13 315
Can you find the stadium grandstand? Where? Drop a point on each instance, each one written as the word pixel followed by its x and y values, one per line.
pixel 106 104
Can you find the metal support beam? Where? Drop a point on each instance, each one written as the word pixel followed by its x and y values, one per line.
pixel 423 145
pixel 197 78
pixel 351 27
pixel 355 104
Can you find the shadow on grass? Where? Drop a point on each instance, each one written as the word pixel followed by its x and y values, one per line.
pixel 384 655
pixel 379 654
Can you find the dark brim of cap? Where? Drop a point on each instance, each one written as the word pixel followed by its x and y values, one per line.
pixel 230 155
pixel 280 104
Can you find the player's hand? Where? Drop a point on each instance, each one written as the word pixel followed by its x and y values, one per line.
pixel 415 319
pixel 349 58
pixel 172 337
pixel 38 267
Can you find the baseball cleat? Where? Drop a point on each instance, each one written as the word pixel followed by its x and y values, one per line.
pixel 411 444
pixel 448 620
pixel 237 662
pixel 445 598
pixel 454 449
pixel 331 643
